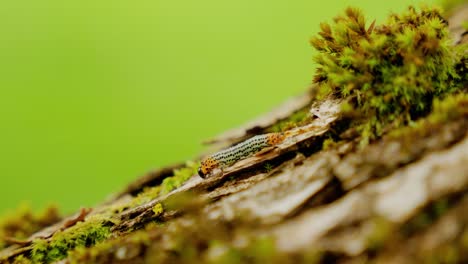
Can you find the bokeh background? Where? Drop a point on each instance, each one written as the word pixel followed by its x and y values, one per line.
pixel 95 93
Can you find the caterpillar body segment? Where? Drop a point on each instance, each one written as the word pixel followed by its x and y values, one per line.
pixel 227 157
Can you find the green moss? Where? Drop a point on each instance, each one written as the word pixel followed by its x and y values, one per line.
pixel 444 110
pixel 23 222
pixel 388 73
pixel 90 255
pixel 115 249
pixel 449 108
pixel 262 250
pixel 158 209
pixel 21 259
pixel 346 108
pixel 83 234
pixel 194 240
pixel 268 167
pixel 180 176
pixel 382 231
pixel 170 183
pixel 328 143
pixel 461 65
pixel 219 252
pixel 147 195
pixel 298 118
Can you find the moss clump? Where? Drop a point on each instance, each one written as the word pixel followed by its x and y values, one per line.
pixel 461 67
pixel 170 183
pixel 118 249
pixel 328 143
pixel 381 233
pixel 147 195
pixel 23 222
pixel 268 167
pixel 298 118
pixel 449 108
pixel 180 176
pixel 444 110
pixel 389 73
pixel 83 234
pixel 21 259
pixel 195 239
pixel 158 209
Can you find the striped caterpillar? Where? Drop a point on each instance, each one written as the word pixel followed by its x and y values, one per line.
pixel 227 157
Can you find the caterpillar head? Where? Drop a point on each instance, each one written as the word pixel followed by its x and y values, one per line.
pixel 207 166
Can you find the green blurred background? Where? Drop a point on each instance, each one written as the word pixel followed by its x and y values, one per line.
pixel 95 93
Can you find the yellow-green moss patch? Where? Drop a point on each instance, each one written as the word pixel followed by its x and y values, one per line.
pixel 158 209
pixel 180 176
pixel 23 222
pixel 83 234
pixel 298 118
pixel 444 110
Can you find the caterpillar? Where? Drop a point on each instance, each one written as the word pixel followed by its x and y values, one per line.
pixel 227 157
